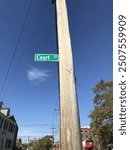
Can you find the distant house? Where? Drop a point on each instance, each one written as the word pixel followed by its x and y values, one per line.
pixel 8 129
pixel 86 132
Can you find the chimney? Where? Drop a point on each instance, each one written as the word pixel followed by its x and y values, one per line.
pixel 5 111
pixel 1 103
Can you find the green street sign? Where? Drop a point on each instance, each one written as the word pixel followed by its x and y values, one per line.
pixel 47 57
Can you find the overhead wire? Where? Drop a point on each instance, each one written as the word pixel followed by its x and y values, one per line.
pixel 54 127
pixel 29 136
pixel 23 54
pixel 57 47
pixel 54 112
pixel 56 133
pixel 25 51
pixel 16 47
pixel 35 125
pixel 56 102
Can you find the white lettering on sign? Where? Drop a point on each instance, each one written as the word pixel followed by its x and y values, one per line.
pixel 43 58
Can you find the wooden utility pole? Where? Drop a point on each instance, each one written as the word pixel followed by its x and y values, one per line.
pixel 70 138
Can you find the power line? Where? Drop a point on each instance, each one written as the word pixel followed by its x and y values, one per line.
pixel 34 125
pixel 56 38
pixel 53 126
pixel 15 50
pixel 57 47
pixel 58 100
pixel 24 52
pixel 27 136
pixel 54 113
pixel 32 136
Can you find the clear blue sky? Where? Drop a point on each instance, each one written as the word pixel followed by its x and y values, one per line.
pixel 32 90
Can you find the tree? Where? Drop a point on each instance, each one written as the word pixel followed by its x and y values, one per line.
pixel 19 143
pixel 46 143
pixel 102 115
pixel 25 145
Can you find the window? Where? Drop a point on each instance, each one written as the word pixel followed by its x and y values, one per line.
pixel 8 143
pixel 12 128
pixel 9 127
pixel 1 122
pixel 5 124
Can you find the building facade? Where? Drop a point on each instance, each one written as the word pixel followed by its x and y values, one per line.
pixel 8 129
pixel 86 132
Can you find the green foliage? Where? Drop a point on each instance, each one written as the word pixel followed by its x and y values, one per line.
pixel 46 143
pixel 19 143
pixel 25 145
pixel 102 115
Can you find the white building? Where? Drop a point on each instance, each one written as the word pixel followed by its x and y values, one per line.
pixel 8 129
